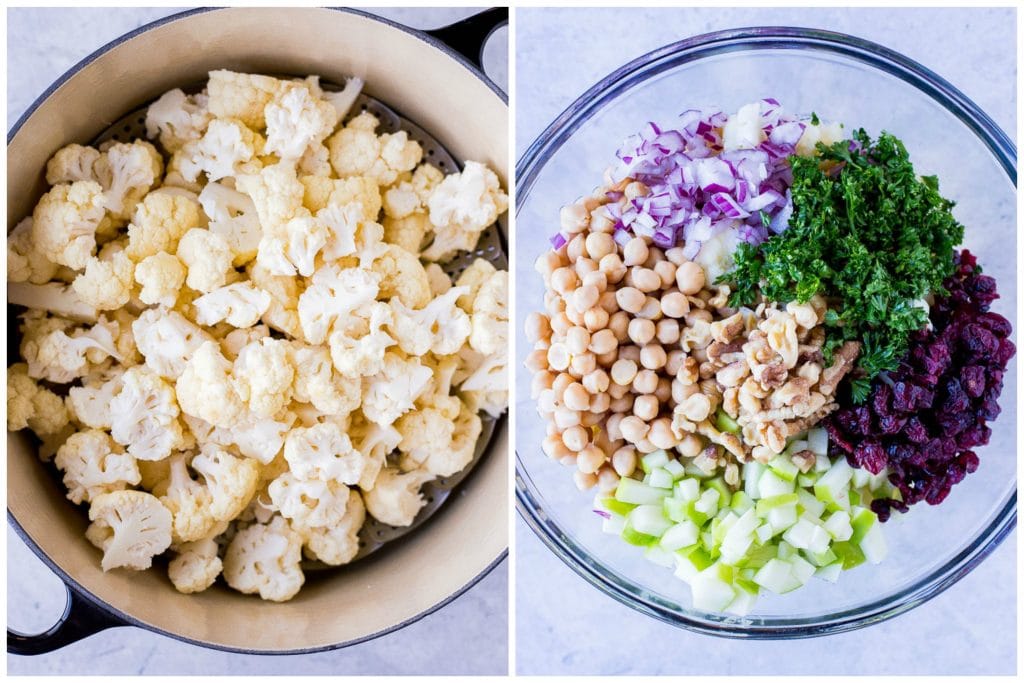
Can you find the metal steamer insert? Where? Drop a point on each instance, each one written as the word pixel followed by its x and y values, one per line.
pixel 375 535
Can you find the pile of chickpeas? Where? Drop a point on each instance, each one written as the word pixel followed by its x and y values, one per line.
pixel 608 366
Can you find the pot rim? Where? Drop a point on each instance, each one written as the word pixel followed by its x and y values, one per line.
pixel 69 582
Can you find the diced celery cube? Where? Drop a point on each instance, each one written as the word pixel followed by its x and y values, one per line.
pixel 830 572
pixel 752 472
pixel 679 536
pixel 675 468
pixel 652 460
pixel 838 525
pixel 649 519
pixel 660 478
pixel 772 484
pixel 817 442
pixel 724 423
pixel 687 489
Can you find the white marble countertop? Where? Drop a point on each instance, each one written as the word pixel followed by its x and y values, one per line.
pixel 564 625
pixel 468 636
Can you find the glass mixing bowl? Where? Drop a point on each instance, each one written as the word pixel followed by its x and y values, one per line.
pixel 844 79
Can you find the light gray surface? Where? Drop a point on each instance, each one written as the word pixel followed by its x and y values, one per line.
pixel 468 636
pixel 566 626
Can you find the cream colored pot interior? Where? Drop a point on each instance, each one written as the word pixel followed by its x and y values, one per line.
pixel 428 87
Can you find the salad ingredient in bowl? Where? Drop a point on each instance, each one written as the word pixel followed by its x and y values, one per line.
pixel 758 341
pixel 233 350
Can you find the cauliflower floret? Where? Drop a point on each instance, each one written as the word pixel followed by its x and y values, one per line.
pixel 393 391
pixel 309 503
pixel 400 201
pixel 160 220
pixel 161 277
pixel 440 283
pixel 174 177
pixel 144 415
pixel 317 383
pixel 93 464
pixel 240 304
pixel 32 406
pixel 131 527
pixel 282 313
pixel 441 327
pixel 264 559
pixel 402 276
pixel 25 262
pixel 167 340
pixel 256 438
pixel 315 161
pixel 461 208
pixel 423 432
pixel 57 298
pixel 407 232
pixel 107 283
pixel 241 96
pixel 205 389
pixel 71 164
pixel 399 153
pixel 334 293
pixel 233 217
pixel 358 344
pixel 227 148
pixel 472 278
pixel 65 222
pixel 339 544
pixel 276 193
pixel 296 120
pixel 127 171
pixel 57 356
pixel 89 404
pixel 263 376
pixel 177 118
pixel 235 340
pixel 207 257
pixel 439 392
pixel 355 149
pixel 459 452
pixel 323 452
pixel 231 480
pixel 482 381
pixel 375 442
pixel 294 247
pixel 190 503
pixel 196 566
pixel 342 100
pixel 424 180
pixel 395 498
pixel 490 315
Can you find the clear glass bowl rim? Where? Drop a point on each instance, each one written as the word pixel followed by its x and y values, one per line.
pixel 565 125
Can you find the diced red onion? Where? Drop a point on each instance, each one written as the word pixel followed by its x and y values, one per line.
pixel 558 240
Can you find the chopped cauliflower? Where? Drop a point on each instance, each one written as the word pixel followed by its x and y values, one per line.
pixel 461 207
pixel 131 527
pixel 393 391
pixel 207 257
pixel 308 503
pixel 227 148
pixel 65 222
pixel 161 277
pixel 231 480
pixel 265 559
pixel 233 216
pixel 423 432
pixel 177 119
pixel 295 120
pixel 32 406
pixel 205 389
pixel 89 404
pixel 94 464
pixel 233 342
pixel 358 343
pixel 160 221
pixel 167 339
pixel 439 280
pixel 440 327
pixel 106 284
pixel 282 313
pixel 196 566
pixel 144 415
pixel 402 276
pixel 490 315
pixel 241 96
pixel 395 498
pixel 263 376
pixel 334 293
pixel 323 452
pixel 375 442
pixel 339 544
pixel 276 192
pixel 71 164
pixel 25 261
pixel 484 386
pixel 240 304
pixel 317 383
pixel 447 461
pixel 355 149
pixel 53 297
pixel 127 171
pixel 294 247
pixel 57 356
pixel 190 502
pixel 407 232
pixel 472 278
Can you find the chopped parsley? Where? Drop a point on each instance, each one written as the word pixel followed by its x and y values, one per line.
pixel 867 234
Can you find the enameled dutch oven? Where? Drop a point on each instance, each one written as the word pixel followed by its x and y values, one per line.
pixel 433 78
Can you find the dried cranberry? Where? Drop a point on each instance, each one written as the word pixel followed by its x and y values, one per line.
pixel 869 455
pixel 1006 351
pixel 915 430
pixel 972 378
pixel 977 435
pixel 996 323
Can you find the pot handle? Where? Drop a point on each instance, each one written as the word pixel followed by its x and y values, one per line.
pixel 467 37
pixel 81 619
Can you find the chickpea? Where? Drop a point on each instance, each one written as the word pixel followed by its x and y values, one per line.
pixel 583 364
pixel 539 360
pixel 584 480
pixel 597 279
pixel 623 371
pixel 590 419
pixel 551 429
pixel 599 245
pixel 585 297
pixel 646 407
pixel 541 381
pixel 624 461
pixel 575 316
pixel 666 270
pixel 644 446
pixel 574 249
pixel 668 332
pixel 607 480
pixel 634 252
pixel 538 327
pixel 635 189
pixel 698 315
pixel 611 427
pixel 612 267
pixel 641 331
pixel 631 352
pixel 605 360
pixel 675 304
pixel 577 339
pixel 690 446
pixel 675 361
pixel 661 434
pixel 664 390
pixel 541 346
pixel 566 418
pixel 600 221
pixel 561 383
pixel 619 324
pixel 675 256
pixel 557 357
pixel 554 448
pixel 596 319
pixel 622 404
pixel 569 460
pixel 576 397
pixel 547 402
pixel 654 256
pixel 547 263
pixel 651 309
pixel 690 278
pixel 560 324
pixel 630 299
pixel 573 218
pixel 590 459
pixel 564 280
pixel 653 356
pixel 599 404
pixel 645 279
pixel 596 383
pixel 633 428
pixel 645 382
pixel 608 303
pixel 696 408
pixel 681 392
pixel 585 266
